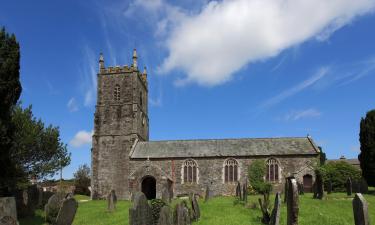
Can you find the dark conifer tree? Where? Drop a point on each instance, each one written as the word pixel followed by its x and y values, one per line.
pixel 367 140
pixel 10 90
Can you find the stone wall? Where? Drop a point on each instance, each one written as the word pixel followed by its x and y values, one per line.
pixel 211 172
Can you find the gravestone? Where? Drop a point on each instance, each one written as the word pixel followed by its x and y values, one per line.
pixel 8 220
pixel 244 192
pixel 165 195
pixel 140 212
pixel 238 191
pixel 8 207
pixel 165 217
pixel 300 188
pixel 275 215
pixel 285 190
pixel 195 208
pixel 319 188
pixel 111 201
pixel 356 186
pixel 67 212
pixel 329 187
pixel 182 216
pixel 360 210
pixel 292 202
pixel 349 186
pixel 207 194
pixel 53 206
pixel 363 186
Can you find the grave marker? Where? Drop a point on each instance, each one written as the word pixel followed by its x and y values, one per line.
pixel 360 209
pixel 292 202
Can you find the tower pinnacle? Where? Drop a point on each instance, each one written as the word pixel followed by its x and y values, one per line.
pixel 101 61
pixel 135 65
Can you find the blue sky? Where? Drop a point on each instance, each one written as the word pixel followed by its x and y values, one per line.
pixel 226 69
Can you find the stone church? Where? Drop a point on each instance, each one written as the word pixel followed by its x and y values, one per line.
pixel 125 160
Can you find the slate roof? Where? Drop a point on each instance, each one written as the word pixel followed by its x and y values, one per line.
pixel 224 148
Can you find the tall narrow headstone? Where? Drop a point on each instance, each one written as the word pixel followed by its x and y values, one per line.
pixel 67 212
pixel 360 210
pixel 238 190
pixel 195 208
pixel 349 186
pixel 140 212
pixel 329 187
pixel 244 192
pixel 111 201
pixel 300 188
pixel 292 202
pixel 319 188
pixel 275 215
pixel 286 190
pixel 207 194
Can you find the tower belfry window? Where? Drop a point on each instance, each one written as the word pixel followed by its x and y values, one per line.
pixel 116 93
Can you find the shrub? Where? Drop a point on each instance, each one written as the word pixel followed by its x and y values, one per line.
pixel 338 173
pixel 256 173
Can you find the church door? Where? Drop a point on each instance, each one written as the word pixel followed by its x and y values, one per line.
pixel 149 187
pixel 307 183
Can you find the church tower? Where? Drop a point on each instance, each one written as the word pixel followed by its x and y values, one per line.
pixel 121 117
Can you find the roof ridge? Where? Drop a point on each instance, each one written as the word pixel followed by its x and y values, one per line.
pixel 223 139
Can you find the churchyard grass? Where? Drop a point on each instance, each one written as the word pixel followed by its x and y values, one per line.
pixel 334 209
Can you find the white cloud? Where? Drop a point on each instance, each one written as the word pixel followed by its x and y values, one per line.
pixel 296 89
pixel 81 138
pixel 72 105
pixel 302 114
pixel 210 46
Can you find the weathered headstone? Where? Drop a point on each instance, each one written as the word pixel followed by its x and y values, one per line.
pixel 67 212
pixel 349 186
pixel 329 187
pixel 300 188
pixel 238 190
pixel 53 206
pixel 244 192
pixel 275 215
pixel 111 201
pixel 140 212
pixel 165 195
pixel 195 208
pixel 8 209
pixel 319 188
pixel 182 216
pixel 360 210
pixel 363 186
pixel 292 202
pixel 8 220
pixel 165 217
pixel 207 194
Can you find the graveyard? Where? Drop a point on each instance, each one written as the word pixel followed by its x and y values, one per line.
pixel 334 209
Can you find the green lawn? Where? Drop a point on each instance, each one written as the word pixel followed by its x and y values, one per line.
pixel 336 209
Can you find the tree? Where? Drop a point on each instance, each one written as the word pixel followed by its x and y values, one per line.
pixel 82 180
pixel 37 149
pixel 10 91
pixel 367 140
pixel 338 173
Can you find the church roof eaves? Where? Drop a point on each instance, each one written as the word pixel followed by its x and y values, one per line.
pixel 224 148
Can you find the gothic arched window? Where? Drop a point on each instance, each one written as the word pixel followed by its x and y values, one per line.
pixel 230 170
pixel 190 170
pixel 116 93
pixel 272 170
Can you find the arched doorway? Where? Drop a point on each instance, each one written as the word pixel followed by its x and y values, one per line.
pixel 307 183
pixel 149 187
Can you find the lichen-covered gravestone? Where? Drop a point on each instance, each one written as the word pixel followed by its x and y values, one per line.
pixel 349 186
pixel 182 216
pixel 275 215
pixel 360 210
pixel 8 211
pixel 165 195
pixel 67 212
pixel 53 206
pixel 292 202
pixel 165 217
pixel 195 208
pixel 111 201
pixel 140 212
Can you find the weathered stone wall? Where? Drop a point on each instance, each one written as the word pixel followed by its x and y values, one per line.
pixel 211 172
pixel 117 124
